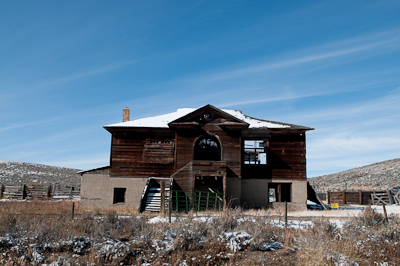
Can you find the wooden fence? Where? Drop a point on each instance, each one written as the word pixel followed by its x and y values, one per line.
pixel 364 197
pixel 39 191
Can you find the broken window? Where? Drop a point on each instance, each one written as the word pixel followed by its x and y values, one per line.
pixel 279 192
pixel 254 152
pixel 271 194
pixel 207 148
pixel 119 195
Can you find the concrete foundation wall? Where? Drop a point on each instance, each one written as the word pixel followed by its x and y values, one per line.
pixel 298 195
pixel 299 190
pixel 255 193
pixel 97 190
pixel 233 191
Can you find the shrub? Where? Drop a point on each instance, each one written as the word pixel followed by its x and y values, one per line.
pixel 325 226
pixel 369 217
pixel 8 225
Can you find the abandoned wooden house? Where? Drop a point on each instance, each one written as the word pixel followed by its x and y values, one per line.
pixel 200 158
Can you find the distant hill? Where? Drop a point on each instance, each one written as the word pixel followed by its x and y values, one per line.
pixel 15 173
pixel 373 176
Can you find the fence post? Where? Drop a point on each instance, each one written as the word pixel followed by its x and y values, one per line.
pixel 198 204
pixel 192 203
pixel 360 197
pixel 285 213
pixel 170 205
pixel 162 206
pixel 344 196
pixel 2 191
pixel 373 197
pixel 328 195
pixel 54 190
pixel 23 191
pixel 391 201
pixel 49 191
pixel 384 212
pixel 70 192
pixel 73 210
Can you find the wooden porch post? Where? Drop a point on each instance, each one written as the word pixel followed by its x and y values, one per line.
pixel 162 189
pixel 224 188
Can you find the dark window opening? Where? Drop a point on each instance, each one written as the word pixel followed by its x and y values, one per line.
pixel 279 192
pixel 119 195
pixel 207 148
pixel 209 183
pixel 254 152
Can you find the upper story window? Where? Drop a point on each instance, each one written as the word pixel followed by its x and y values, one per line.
pixel 207 148
pixel 254 152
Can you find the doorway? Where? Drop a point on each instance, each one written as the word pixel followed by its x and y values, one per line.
pixel 279 192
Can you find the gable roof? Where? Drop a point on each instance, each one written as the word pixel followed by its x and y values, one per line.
pixel 162 121
pixel 207 114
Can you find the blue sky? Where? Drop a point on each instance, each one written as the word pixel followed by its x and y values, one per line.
pixel 67 68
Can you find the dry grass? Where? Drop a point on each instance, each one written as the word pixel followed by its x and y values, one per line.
pixel 123 237
pixel 37 206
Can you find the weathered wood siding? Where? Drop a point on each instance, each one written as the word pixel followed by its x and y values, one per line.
pixel 230 146
pixel 286 156
pixel 158 151
pixel 209 168
pixel 183 179
pixel 184 147
pixel 162 152
pixel 138 154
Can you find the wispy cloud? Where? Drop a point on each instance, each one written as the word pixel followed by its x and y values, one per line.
pixel 84 74
pixel 46 141
pixel 14 126
pixel 385 106
pixel 333 50
pixel 278 98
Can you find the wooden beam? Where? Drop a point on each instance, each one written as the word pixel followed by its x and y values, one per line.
pixel 224 188
pixel 162 190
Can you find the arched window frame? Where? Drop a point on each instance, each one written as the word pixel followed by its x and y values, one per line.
pixel 197 155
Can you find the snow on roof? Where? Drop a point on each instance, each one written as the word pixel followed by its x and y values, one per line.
pixel 161 121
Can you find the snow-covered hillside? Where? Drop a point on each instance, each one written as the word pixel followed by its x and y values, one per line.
pixel 374 176
pixel 14 173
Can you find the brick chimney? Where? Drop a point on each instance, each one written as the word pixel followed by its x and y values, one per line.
pixel 125 114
